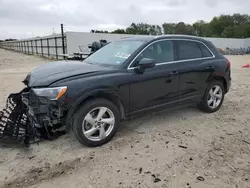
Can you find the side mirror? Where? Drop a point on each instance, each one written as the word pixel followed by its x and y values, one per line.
pixel 145 63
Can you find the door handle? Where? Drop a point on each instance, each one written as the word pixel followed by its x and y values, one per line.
pixel 173 73
pixel 170 75
pixel 209 67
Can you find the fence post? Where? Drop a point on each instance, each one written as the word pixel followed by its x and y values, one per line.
pixel 28 46
pixel 56 48
pixel 63 45
pixel 24 46
pixel 36 47
pixel 48 46
pixel 42 46
pixel 32 47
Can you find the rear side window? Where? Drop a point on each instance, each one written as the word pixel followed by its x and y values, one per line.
pixel 188 50
pixel 192 50
pixel 204 50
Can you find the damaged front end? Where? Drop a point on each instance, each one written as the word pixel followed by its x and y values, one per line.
pixel 14 122
pixel 29 116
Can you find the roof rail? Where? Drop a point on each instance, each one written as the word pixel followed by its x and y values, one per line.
pixel 127 37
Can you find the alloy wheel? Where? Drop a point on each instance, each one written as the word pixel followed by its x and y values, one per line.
pixel 214 97
pixel 98 123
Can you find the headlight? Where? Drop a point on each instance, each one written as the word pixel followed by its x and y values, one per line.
pixel 54 93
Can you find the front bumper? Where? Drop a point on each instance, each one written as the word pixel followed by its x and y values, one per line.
pixel 28 117
pixel 44 113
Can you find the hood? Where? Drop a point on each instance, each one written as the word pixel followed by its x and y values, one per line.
pixel 48 73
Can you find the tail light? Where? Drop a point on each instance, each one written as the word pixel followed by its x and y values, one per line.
pixel 229 63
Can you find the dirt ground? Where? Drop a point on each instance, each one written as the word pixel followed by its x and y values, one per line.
pixel 146 151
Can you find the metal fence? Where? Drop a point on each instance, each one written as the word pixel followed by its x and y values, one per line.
pixel 53 46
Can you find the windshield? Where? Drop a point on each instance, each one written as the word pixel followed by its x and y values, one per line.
pixel 114 53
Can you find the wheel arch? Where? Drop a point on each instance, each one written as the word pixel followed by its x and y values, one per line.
pixel 219 77
pixel 108 95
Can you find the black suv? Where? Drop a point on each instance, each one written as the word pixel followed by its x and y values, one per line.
pixel 126 78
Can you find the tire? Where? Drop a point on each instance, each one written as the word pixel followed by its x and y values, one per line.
pixel 81 125
pixel 206 105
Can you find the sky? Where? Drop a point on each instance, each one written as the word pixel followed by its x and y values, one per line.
pixel 31 18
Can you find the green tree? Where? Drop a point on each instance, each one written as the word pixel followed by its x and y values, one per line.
pixel 98 31
pixel 139 29
pixel 233 26
pixel 119 31
pixel 169 28
pixel 202 29
pixel 155 30
pixel 230 25
pixel 180 28
pixel 189 30
pixel 228 32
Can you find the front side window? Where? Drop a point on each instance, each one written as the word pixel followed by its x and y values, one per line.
pixel 161 52
pixel 114 53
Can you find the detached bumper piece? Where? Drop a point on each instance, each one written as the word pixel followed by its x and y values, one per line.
pixel 14 123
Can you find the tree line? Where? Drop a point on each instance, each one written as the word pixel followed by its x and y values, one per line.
pixel 8 40
pixel 224 26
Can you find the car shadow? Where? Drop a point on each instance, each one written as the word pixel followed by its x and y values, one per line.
pixel 133 125
pixel 126 128
pixel 8 143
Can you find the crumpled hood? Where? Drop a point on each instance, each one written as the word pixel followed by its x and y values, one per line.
pixel 48 73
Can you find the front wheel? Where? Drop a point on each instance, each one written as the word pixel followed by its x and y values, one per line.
pixel 96 122
pixel 213 97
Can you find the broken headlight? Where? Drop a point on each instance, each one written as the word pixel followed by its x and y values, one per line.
pixel 53 93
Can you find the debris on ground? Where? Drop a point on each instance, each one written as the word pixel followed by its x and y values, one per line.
pixel 140 170
pixel 245 141
pixel 156 179
pixel 200 178
pixel 184 147
pixel 246 65
pixel 32 157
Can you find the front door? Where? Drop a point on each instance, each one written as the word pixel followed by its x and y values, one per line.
pixel 157 86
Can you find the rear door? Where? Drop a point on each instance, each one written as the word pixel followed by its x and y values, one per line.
pixel 194 64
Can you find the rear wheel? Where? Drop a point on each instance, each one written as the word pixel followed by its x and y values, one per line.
pixel 96 122
pixel 213 97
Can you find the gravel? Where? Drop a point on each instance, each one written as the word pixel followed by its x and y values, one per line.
pixel 214 152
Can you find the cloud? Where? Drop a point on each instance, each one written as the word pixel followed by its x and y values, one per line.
pixel 25 18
